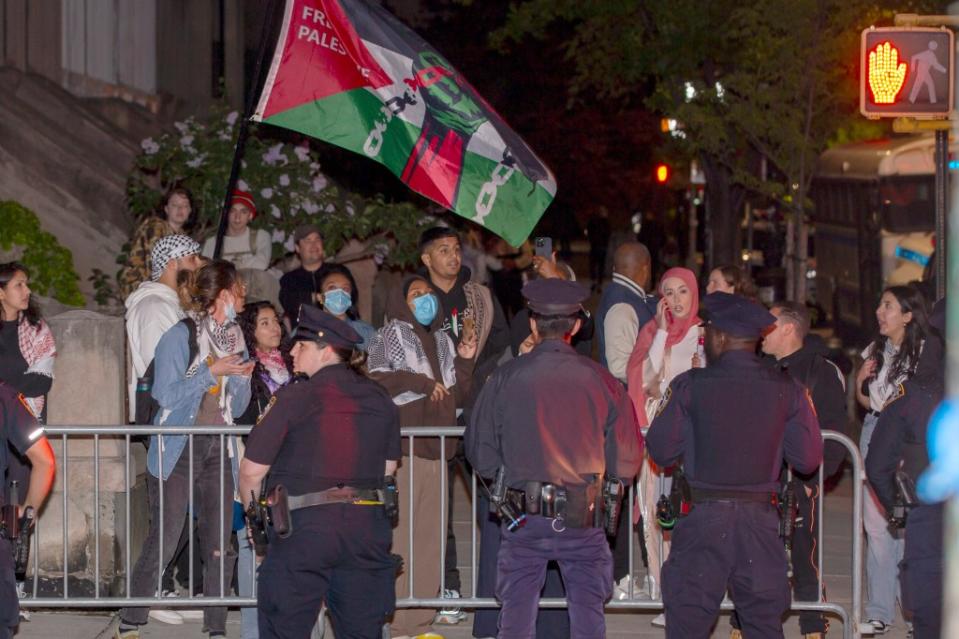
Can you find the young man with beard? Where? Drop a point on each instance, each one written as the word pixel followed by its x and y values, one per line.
pixel 469 308
pixel 300 286
pixel 152 309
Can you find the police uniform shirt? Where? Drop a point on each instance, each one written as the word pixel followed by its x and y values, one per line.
pixel 733 422
pixel 900 436
pixel 545 415
pixel 18 426
pixel 336 428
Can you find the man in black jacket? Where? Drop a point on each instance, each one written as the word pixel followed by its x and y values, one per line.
pixel 804 359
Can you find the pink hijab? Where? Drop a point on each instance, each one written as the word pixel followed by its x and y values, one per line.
pixel 676 329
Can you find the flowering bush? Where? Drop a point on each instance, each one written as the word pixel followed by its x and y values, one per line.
pixel 285 180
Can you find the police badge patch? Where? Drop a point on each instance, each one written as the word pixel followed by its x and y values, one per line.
pixel 900 392
pixel 266 410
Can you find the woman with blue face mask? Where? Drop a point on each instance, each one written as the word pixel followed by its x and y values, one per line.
pixel 338 297
pixel 428 378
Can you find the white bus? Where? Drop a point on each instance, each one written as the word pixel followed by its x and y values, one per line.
pixel 875 219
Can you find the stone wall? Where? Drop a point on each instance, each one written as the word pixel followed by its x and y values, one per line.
pixel 89 390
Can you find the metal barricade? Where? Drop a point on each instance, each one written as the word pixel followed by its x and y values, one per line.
pixel 850 619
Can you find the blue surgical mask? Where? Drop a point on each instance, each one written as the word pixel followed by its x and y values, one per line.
pixel 425 308
pixel 230 312
pixel 337 301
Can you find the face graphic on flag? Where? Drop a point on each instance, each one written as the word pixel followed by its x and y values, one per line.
pixel 349 73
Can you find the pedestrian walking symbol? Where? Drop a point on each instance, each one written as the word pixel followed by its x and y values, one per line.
pixel 921 67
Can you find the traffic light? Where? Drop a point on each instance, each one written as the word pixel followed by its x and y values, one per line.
pixel 906 72
pixel 662 173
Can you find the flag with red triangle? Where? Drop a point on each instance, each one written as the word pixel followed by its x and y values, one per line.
pixel 349 73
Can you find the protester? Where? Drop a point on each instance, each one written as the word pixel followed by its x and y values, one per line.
pixel 669 344
pixel 152 309
pixel 339 297
pixel 247 248
pixel 206 388
pixel 300 286
pixel 730 278
pixel 471 312
pixel 625 307
pixel 888 361
pixel 269 348
pixel 477 259
pixel 175 217
pixel 427 377
pixel 27 352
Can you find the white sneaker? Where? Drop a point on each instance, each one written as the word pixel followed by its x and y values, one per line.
pixel 874 627
pixel 166 616
pixel 659 620
pixel 621 589
pixel 450 615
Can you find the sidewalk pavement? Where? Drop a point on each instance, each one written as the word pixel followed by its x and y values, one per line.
pixel 837 544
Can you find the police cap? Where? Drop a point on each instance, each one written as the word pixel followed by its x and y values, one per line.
pixel 554 296
pixel 736 315
pixel 316 325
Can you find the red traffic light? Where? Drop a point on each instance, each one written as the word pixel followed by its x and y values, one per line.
pixel 662 173
pixel 906 72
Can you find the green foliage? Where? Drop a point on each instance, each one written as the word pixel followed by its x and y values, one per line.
pixel 104 292
pixel 49 263
pixel 286 183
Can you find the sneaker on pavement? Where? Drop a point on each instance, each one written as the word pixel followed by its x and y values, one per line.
pixel 132 633
pixel 659 620
pixel 875 627
pixel 735 633
pixel 450 615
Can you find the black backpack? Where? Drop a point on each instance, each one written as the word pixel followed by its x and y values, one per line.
pixel 147 407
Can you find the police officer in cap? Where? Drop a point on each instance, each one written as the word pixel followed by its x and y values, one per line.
pixel 20 429
pixel 552 424
pixel 329 444
pixel 731 424
pixel 897 456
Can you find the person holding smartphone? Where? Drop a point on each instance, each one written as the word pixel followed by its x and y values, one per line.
pixel 669 344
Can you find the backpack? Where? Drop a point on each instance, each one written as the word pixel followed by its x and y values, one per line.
pixel 146 406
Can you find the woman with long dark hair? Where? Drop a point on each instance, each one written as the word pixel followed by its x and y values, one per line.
pixel 27 352
pixel 27 348
pixel 269 348
pixel 201 378
pixel 888 360
pixel 339 297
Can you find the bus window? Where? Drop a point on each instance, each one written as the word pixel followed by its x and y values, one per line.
pixel 907 203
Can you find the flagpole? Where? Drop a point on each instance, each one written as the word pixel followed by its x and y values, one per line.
pixel 244 127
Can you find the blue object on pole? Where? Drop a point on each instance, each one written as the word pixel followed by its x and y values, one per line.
pixel 941 480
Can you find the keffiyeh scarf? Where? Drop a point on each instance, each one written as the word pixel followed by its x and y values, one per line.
pixel 277 375
pixel 38 349
pixel 397 348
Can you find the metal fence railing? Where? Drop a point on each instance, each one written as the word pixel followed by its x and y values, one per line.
pixel 124 435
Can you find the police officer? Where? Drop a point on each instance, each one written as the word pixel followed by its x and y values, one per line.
pixel 900 443
pixel 552 423
pixel 20 428
pixel 731 424
pixel 804 359
pixel 328 443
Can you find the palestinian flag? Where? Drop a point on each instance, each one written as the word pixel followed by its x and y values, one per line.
pixel 349 73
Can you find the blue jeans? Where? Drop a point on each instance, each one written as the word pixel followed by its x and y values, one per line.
pixel 883 550
pixel 246 576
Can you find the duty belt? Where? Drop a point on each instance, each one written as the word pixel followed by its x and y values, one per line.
pixel 338 495
pixel 577 507
pixel 705 495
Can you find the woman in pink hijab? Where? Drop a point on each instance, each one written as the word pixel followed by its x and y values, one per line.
pixel 669 344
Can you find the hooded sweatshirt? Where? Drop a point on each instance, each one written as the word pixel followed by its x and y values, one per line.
pixel 403 384
pixel 152 309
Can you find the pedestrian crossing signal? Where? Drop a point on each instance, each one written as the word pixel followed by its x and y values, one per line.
pixel 906 72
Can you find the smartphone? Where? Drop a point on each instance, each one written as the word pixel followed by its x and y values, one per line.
pixel 543 247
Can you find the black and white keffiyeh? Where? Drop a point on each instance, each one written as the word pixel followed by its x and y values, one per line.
pixel 396 347
pixel 170 247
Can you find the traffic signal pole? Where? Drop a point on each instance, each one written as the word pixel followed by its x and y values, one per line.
pixel 947 279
